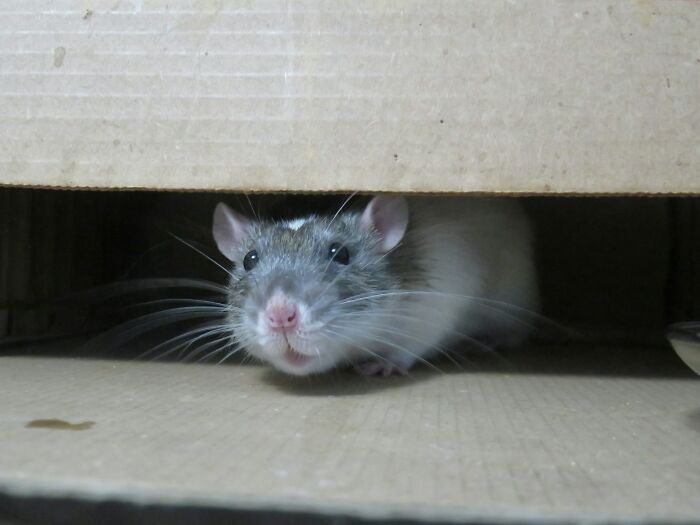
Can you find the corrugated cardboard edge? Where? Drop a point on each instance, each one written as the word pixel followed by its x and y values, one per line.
pixel 365 191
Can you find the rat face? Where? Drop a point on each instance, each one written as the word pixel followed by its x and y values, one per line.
pixel 299 290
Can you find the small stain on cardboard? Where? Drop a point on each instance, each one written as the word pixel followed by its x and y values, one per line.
pixel 59 424
pixel 58 55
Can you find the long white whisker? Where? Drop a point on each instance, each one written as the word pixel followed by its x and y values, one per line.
pixel 215 331
pixel 252 210
pixel 135 286
pixel 205 328
pixel 398 347
pixel 227 342
pixel 231 353
pixel 202 254
pixel 185 301
pixel 476 299
pixel 208 344
pixel 342 206
pixel 354 343
pixel 441 350
pixel 411 318
pixel 373 262
pixel 328 287
pixel 131 329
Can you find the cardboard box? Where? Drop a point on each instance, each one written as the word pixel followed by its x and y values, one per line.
pixel 557 437
pixel 402 96
pixel 410 96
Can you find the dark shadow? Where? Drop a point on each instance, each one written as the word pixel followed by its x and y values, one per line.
pixel 342 383
pixel 16 509
pixel 602 360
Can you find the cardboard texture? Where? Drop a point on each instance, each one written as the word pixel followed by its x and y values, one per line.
pixel 410 96
pixel 480 443
pixel 54 243
pixel 414 96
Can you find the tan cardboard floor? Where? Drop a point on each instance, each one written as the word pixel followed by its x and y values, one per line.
pixel 455 444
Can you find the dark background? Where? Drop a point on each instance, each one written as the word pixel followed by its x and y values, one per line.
pixel 617 268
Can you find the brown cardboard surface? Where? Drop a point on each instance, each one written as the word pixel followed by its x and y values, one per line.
pixel 423 96
pixel 458 444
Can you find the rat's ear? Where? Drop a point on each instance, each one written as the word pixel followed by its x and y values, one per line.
pixel 230 229
pixel 388 216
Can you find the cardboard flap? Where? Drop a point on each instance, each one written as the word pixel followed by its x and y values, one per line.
pixel 419 96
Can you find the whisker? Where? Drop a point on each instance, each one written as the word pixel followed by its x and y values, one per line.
pixel 201 302
pixel 142 256
pixel 255 214
pixel 204 328
pixel 328 287
pixel 186 345
pixel 202 254
pixel 209 344
pixel 446 352
pixel 441 350
pixel 135 327
pixel 373 354
pixel 487 302
pixel 398 347
pixel 231 353
pixel 342 206
pixel 375 261
pixel 212 353
pixel 414 318
pixel 121 288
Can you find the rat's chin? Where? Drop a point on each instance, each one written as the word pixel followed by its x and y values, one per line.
pixel 296 363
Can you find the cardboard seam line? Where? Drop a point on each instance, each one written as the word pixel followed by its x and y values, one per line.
pixel 446 193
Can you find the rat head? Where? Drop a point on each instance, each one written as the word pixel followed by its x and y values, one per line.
pixel 300 294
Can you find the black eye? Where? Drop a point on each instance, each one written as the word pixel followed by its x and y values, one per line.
pixel 250 260
pixel 339 253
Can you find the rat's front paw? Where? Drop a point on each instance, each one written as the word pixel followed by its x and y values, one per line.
pixel 382 368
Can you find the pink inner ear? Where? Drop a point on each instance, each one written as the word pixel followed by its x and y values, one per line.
pixel 230 229
pixel 388 216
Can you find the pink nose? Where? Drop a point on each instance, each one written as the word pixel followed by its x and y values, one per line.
pixel 281 316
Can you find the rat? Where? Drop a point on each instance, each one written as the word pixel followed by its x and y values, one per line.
pixel 381 288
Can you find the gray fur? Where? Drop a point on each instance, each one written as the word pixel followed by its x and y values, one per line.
pixel 297 262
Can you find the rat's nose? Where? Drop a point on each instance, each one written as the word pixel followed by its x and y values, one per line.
pixel 283 317
pixel 281 313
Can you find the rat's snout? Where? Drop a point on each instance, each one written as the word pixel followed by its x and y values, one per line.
pixel 281 313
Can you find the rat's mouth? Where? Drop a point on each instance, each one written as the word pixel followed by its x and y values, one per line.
pixel 295 358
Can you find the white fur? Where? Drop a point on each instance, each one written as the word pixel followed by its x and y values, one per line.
pixel 296 223
pixel 471 247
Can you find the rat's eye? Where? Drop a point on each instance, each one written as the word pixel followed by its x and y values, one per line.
pixel 250 260
pixel 339 253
